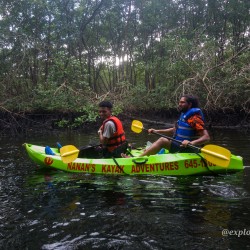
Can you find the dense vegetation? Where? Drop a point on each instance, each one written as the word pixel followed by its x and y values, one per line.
pixel 143 54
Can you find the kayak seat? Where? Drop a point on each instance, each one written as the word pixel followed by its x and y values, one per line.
pixel 58 145
pixel 49 151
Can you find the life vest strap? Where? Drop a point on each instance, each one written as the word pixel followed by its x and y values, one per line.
pixel 116 143
pixel 185 128
pixel 186 136
pixel 118 136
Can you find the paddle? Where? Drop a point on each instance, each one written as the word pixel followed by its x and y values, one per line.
pixel 215 154
pixel 69 153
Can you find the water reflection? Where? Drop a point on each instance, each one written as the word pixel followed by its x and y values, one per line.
pixel 103 211
pixel 43 209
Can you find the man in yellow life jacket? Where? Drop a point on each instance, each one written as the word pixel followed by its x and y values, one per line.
pixel 111 133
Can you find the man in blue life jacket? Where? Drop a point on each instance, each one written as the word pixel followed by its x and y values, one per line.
pixel 189 129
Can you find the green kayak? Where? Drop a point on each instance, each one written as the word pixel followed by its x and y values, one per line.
pixel 159 164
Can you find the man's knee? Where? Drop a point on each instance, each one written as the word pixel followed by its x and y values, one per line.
pixel 163 142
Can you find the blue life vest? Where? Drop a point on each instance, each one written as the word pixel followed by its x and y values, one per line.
pixel 183 130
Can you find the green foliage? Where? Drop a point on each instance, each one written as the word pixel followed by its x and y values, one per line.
pixel 63 123
pixel 77 122
pixel 66 55
pixel 136 98
pixel 90 113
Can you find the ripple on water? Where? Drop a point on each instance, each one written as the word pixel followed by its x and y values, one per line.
pixel 55 210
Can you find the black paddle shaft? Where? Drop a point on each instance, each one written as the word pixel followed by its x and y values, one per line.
pixel 172 139
pixel 90 151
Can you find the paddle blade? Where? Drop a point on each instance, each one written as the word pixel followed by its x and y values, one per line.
pixel 218 155
pixel 137 126
pixel 69 153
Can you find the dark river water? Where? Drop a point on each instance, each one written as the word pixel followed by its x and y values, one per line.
pixel 55 210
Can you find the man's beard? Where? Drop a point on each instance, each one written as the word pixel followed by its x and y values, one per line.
pixel 182 110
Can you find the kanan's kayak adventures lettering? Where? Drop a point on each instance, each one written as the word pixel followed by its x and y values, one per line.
pixel 90 168
pixel 134 169
pixel 146 168
pixel 138 168
pixel 112 169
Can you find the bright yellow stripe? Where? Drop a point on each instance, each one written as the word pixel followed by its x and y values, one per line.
pixel 70 153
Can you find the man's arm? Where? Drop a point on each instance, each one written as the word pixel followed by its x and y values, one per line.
pixel 197 123
pixel 168 131
pixel 109 130
pixel 204 138
pixel 103 140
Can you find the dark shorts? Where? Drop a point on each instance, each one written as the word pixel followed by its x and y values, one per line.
pixel 89 152
pixel 117 152
pixel 175 147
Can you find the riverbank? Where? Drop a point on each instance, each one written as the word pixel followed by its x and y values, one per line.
pixel 19 123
